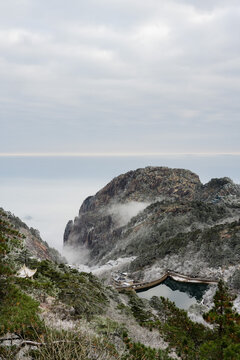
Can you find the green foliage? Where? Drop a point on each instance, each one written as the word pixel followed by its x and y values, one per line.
pixel 8 352
pixel 88 297
pixel 232 352
pixel 138 351
pixel 18 313
pixel 225 344
pixel 182 333
pixel 124 309
pixel 10 240
pixel 83 291
pixel 195 341
pixel 222 314
pixel 138 308
pixel 107 327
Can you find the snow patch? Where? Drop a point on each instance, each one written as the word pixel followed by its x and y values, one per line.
pixel 109 266
pixel 236 303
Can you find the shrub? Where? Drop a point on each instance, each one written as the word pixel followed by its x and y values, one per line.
pixel 18 313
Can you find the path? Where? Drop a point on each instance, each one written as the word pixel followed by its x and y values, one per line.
pixel 175 276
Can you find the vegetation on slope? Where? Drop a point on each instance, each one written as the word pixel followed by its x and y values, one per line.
pixel 33 242
pixel 83 298
pixel 159 223
pixel 194 341
pixel 18 311
pixel 216 246
pixel 79 296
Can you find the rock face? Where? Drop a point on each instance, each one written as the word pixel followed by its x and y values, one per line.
pixel 145 185
pixel 143 213
pixel 101 213
pixel 33 242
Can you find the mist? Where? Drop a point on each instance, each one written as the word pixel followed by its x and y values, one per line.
pixel 123 213
pixel 76 255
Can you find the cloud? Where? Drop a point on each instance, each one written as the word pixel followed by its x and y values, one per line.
pixel 123 213
pixel 79 255
pixel 113 75
pixel 27 218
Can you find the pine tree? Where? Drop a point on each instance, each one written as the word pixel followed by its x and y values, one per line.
pixel 225 343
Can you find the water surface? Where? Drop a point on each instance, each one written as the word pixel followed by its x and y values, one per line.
pixel 183 294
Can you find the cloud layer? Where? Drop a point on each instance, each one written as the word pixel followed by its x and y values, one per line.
pixel 119 75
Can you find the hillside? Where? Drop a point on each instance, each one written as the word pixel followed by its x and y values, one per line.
pixel 64 314
pixel 32 242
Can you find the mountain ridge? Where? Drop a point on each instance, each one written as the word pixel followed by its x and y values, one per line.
pixel 174 202
pixel 33 243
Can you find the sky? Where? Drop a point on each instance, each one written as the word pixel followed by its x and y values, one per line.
pixel 92 89
pixel 119 76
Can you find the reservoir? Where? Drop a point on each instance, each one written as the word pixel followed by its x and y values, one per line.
pixel 183 294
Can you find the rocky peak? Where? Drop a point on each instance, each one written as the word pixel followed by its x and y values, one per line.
pixel 145 184
pixel 128 193
pixel 221 188
pixel 149 203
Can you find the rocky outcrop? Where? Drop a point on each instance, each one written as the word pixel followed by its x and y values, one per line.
pixel 146 184
pixel 140 212
pixel 32 241
pixel 99 214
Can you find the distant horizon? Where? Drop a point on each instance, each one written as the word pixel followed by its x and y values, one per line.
pixel 117 154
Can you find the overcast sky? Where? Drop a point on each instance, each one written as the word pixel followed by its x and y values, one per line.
pixel 119 76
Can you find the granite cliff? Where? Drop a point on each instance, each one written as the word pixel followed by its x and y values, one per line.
pixel 165 218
